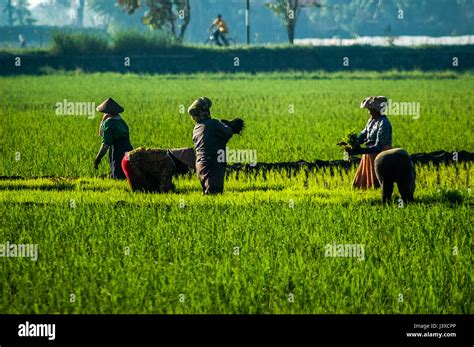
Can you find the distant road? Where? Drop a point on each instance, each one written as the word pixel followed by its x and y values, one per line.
pixel 389 40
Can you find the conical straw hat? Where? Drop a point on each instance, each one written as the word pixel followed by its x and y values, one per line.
pixel 110 106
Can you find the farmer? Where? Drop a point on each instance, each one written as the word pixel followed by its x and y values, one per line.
pixel 151 169
pixel 221 30
pixel 394 165
pixel 377 136
pixel 210 136
pixel 22 41
pixel 115 137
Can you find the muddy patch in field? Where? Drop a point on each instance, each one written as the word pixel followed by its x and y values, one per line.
pixel 44 187
pixel 57 186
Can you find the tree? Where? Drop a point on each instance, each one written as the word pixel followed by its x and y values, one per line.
pixel 20 14
pixel 9 11
pixel 352 18
pixel 111 16
pixel 289 10
pixel 80 14
pixel 77 12
pixel 166 15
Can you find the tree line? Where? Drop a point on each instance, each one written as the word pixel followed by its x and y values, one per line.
pixel 187 19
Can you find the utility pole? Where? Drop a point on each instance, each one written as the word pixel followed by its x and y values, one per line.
pixel 247 20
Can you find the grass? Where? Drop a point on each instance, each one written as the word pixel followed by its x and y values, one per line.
pixel 77 44
pixel 119 252
pixel 155 109
pixel 281 232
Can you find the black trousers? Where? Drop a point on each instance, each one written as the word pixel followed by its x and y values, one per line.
pixel 219 35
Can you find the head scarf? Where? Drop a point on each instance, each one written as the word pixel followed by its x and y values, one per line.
pixel 376 103
pixel 200 109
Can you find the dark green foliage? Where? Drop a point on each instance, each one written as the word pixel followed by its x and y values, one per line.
pixel 237 125
pixel 134 41
pixel 77 44
pixel 350 140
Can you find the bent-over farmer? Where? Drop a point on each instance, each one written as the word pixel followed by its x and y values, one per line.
pixel 151 169
pixel 394 166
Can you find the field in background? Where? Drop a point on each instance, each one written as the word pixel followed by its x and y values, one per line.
pixel 260 247
pixel 289 116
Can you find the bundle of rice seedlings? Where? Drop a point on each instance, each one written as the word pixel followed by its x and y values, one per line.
pixel 237 125
pixel 350 140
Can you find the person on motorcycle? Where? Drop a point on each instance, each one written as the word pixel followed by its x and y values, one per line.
pixel 220 32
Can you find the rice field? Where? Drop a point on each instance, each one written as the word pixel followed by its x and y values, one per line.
pixel 270 243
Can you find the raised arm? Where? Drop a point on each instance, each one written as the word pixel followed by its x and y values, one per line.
pixel 224 131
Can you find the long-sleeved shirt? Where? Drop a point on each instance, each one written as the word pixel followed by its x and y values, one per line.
pixel 114 129
pixel 116 137
pixel 209 136
pixel 377 134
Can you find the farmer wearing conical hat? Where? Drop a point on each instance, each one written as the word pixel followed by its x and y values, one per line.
pixel 115 137
pixel 377 136
pixel 152 169
pixel 210 136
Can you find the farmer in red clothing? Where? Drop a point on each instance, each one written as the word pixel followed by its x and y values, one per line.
pixel 152 169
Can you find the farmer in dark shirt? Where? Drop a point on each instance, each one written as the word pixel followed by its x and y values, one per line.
pixel 115 137
pixel 209 136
